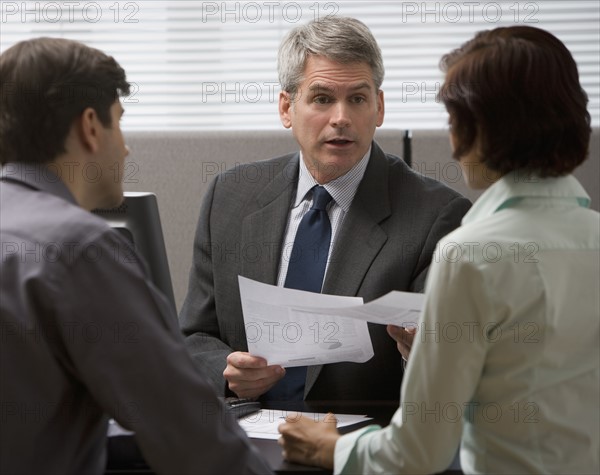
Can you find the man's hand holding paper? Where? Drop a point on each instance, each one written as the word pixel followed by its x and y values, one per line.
pixel 250 376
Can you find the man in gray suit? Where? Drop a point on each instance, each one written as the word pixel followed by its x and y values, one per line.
pixel 385 219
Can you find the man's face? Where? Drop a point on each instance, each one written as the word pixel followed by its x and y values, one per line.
pixel 111 160
pixel 333 116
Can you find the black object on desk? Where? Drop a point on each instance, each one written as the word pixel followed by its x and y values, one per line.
pixel 240 407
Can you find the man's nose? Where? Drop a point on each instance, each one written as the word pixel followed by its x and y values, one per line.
pixel 340 115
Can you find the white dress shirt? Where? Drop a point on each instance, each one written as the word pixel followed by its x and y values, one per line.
pixel 506 359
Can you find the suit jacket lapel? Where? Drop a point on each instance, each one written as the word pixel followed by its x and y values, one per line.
pixel 360 238
pixel 263 230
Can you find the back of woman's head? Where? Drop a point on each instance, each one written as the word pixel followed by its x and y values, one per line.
pixel 514 94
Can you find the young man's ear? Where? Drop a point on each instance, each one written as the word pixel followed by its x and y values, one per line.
pixel 89 126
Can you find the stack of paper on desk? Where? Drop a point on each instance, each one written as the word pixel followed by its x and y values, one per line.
pixel 263 424
pixel 298 328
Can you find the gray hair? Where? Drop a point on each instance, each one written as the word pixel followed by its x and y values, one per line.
pixel 341 39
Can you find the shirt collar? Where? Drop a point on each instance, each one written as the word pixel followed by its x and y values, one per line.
pixel 342 189
pixel 42 177
pixel 516 186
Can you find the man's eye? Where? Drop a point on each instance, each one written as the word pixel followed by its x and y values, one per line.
pixel 322 100
pixel 358 99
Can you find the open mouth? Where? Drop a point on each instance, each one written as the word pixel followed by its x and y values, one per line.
pixel 339 142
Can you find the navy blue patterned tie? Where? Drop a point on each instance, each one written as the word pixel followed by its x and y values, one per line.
pixel 311 246
pixel 306 270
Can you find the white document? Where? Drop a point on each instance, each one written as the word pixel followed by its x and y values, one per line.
pixel 280 329
pixel 264 423
pixel 396 308
pixel 114 429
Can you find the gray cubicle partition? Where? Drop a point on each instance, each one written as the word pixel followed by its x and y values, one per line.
pixel 178 167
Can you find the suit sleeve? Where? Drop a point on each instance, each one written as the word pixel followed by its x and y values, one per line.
pixel 198 317
pixel 447 220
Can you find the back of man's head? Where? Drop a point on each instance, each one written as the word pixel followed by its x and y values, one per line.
pixel 341 39
pixel 45 84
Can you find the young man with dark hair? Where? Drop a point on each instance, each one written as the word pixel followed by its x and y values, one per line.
pixel 85 334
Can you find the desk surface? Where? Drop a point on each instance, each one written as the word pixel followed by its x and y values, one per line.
pixel 272 453
pixel 126 459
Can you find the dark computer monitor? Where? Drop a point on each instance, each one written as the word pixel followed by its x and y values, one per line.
pixel 138 220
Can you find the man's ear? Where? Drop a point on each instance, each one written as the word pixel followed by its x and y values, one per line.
pixel 380 108
pixel 89 126
pixel 285 109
